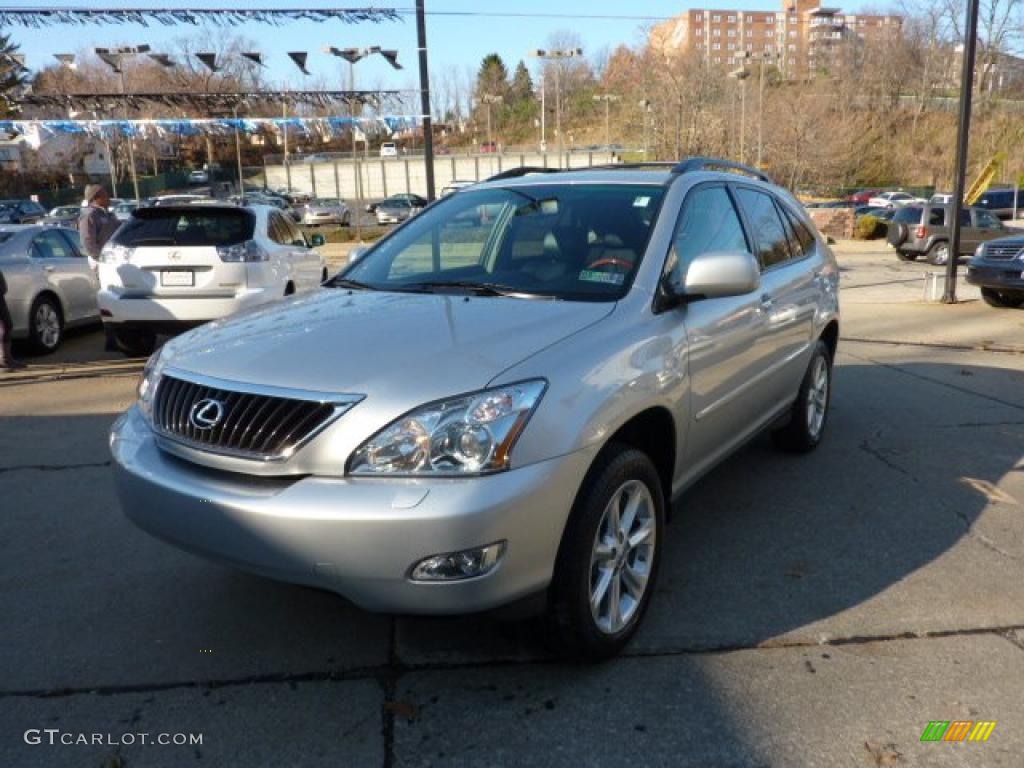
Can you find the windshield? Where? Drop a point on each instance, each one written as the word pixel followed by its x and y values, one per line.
pixel 191 226
pixel 581 242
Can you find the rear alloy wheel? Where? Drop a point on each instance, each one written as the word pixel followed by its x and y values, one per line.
pixel 46 327
pixel 809 414
pixel 608 561
pixel 1002 299
pixel 938 254
pixel 135 343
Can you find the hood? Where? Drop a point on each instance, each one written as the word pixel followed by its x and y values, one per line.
pixel 404 347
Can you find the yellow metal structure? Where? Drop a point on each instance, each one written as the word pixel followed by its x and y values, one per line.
pixel 985 176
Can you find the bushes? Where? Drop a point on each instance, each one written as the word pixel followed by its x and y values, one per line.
pixel 869 228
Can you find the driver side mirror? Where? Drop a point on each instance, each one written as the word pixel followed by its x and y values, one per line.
pixel 713 275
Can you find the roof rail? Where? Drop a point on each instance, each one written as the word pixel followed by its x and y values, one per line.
pixel 523 170
pixel 711 163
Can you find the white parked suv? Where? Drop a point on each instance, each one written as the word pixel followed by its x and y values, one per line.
pixel 171 268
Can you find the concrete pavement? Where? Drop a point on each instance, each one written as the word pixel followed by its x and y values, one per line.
pixel 814 611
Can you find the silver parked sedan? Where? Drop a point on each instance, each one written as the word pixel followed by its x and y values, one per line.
pixel 326 211
pixel 50 285
pixel 498 401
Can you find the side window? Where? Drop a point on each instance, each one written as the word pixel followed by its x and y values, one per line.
pixel 72 236
pixel 987 220
pixel 965 217
pixel 937 217
pixel 276 229
pixel 708 222
pixel 801 241
pixel 50 245
pixel 295 236
pixel 767 229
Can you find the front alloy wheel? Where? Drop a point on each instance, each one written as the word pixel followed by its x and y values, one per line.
pixel 607 563
pixel 623 553
pixel 809 414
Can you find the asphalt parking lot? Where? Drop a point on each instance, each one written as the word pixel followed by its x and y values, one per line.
pixel 814 611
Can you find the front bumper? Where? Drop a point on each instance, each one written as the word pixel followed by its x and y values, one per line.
pixel 357 537
pixel 187 309
pixel 1008 275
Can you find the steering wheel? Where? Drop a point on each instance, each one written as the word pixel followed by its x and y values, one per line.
pixel 611 261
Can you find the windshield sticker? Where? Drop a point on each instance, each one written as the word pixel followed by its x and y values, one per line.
pixel 641 202
pixel 612 278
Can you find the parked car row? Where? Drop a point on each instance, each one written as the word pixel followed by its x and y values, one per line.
pixel 924 230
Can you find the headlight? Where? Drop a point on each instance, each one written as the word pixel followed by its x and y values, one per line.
pixel 467 435
pixel 250 250
pixel 146 390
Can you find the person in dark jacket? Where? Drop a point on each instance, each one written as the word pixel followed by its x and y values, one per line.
pixel 7 361
pixel 96 225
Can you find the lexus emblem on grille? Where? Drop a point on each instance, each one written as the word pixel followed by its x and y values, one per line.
pixel 206 414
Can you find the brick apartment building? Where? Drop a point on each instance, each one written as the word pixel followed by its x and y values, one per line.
pixel 801 37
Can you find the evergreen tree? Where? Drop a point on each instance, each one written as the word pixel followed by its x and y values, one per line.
pixel 522 84
pixel 12 74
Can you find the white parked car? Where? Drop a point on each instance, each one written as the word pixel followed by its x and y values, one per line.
pixel 199 177
pixel 171 268
pixel 893 200
pixel 388 149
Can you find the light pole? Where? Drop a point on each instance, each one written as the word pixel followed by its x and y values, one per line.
pixel 353 55
pixel 114 57
pixel 763 60
pixel 557 56
pixel 489 99
pixel 741 74
pixel 645 111
pixel 607 98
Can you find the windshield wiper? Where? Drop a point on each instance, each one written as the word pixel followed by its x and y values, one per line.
pixel 481 289
pixel 347 282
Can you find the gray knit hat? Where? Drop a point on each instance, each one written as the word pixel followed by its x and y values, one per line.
pixel 91 191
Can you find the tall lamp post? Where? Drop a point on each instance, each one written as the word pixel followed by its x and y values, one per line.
pixel 489 99
pixel 742 73
pixel 962 141
pixel 353 55
pixel 557 56
pixel 114 57
pixel 763 60
pixel 607 98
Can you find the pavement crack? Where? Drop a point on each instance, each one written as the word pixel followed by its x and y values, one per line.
pixel 865 445
pixel 938 382
pixel 389 673
pixel 981 538
pixel 55 467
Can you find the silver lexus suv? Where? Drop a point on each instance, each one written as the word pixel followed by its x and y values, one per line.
pixel 497 402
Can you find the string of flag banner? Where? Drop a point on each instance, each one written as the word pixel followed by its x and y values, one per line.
pixel 36 132
pixel 42 16
pixel 208 100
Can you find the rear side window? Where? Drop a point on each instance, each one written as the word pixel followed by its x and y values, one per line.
pixel 937 217
pixel 196 226
pixel 908 215
pixel 801 241
pixel 709 222
pixel 766 226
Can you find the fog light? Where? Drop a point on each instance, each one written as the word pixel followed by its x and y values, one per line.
pixel 459 565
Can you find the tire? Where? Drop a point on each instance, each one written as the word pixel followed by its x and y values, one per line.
pixel 995 298
pixel 135 343
pixel 809 415
pixel 897 234
pixel 584 564
pixel 938 254
pixel 45 324
pixel 323 276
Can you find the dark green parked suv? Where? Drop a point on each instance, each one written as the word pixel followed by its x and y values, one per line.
pixel 923 230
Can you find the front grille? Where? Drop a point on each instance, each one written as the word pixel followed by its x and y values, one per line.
pixel 1003 251
pixel 253 426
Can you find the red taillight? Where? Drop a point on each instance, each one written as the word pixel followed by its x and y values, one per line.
pixel 922 233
